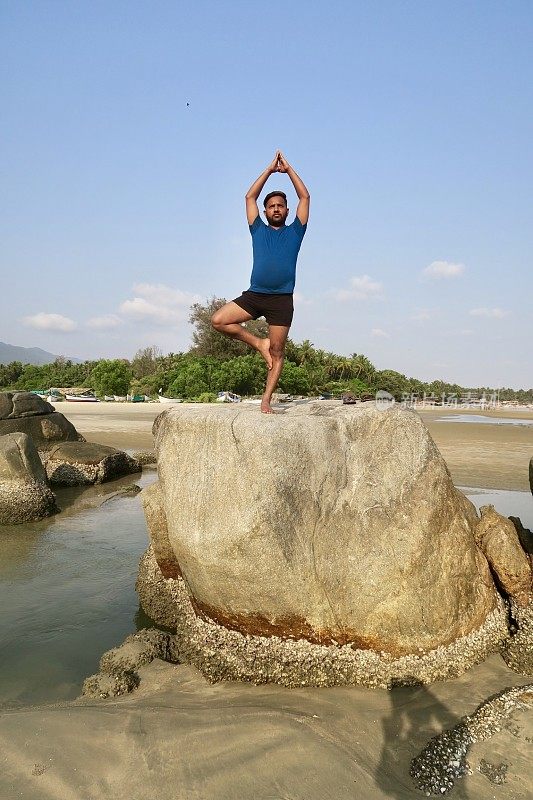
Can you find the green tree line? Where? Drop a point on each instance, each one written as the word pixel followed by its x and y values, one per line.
pixel 215 363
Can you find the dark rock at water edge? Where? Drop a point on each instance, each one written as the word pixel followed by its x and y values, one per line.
pixel 86 463
pixel 24 492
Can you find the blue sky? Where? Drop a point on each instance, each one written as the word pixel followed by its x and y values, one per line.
pixel 410 122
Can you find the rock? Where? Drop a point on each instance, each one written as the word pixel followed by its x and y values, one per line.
pixel 118 667
pixel 24 492
pixel 136 650
pixel 335 525
pixel 146 458
pixel 85 463
pixel 103 686
pixel 163 552
pixel 525 537
pixel 156 593
pixel 28 413
pixel 517 651
pixel 497 537
pixel 23 404
pixel 222 654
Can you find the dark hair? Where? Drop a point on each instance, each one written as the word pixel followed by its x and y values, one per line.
pixel 274 194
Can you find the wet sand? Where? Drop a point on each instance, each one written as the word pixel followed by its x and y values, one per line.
pixel 177 738
pixel 478 455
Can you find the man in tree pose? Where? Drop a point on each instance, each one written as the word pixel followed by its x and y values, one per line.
pixel 275 250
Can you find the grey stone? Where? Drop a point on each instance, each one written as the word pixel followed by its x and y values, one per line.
pixel 103 686
pixel 497 537
pixel 517 651
pixel 6 404
pixel 86 463
pixel 136 650
pixel 24 492
pixel 336 524
pixel 28 404
pixel 44 429
pixel 147 458
pixel 23 404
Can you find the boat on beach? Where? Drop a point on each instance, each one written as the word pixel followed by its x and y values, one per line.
pixel 81 398
pixel 228 397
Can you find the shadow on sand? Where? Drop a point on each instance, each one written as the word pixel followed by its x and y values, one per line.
pixel 405 770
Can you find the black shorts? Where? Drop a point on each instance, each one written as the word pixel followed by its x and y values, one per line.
pixel 277 309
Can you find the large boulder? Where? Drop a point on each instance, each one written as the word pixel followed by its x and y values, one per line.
pixel 86 463
pixel 28 413
pixel 332 525
pixel 24 492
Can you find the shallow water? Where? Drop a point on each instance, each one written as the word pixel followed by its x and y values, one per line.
pixel 67 587
pixel 486 420
pixel 67 591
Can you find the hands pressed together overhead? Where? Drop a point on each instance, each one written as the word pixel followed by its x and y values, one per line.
pixel 279 163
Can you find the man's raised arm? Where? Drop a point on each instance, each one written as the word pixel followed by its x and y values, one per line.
pixel 252 212
pixel 302 212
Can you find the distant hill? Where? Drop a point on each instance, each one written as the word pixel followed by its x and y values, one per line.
pixel 27 355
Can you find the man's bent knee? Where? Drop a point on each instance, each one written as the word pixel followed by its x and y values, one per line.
pixel 216 321
pixel 277 352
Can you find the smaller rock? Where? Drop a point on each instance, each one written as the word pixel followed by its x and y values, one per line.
pixel 525 537
pixel 28 404
pixel 102 685
pixel 6 404
pixel 517 651
pixel 136 650
pixel 24 492
pixel 118 666
pixel 86 463
pixel 497 538
pixel 146 458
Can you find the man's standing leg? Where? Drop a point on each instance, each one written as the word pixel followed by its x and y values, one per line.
pixel 278 337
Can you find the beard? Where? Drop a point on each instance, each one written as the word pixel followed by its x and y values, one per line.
pixel 276 221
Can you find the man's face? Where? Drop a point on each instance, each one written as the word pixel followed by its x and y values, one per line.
pixel 276 211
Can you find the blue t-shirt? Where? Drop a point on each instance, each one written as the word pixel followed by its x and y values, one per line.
pixel 275 252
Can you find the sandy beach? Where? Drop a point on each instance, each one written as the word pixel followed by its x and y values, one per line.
pixel 478 455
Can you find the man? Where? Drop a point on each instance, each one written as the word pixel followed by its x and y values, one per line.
pixel 275 251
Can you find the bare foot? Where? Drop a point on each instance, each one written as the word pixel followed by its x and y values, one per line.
pixel 265 407
pixel 264 348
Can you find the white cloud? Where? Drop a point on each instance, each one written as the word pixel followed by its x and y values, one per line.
pixel 104 323
pixel 300 300
pixel 380 333
pixel 443 269
pixel 362 287
pixel 50 322
pixel 159 303
pixel 421 316
pixel 493 313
